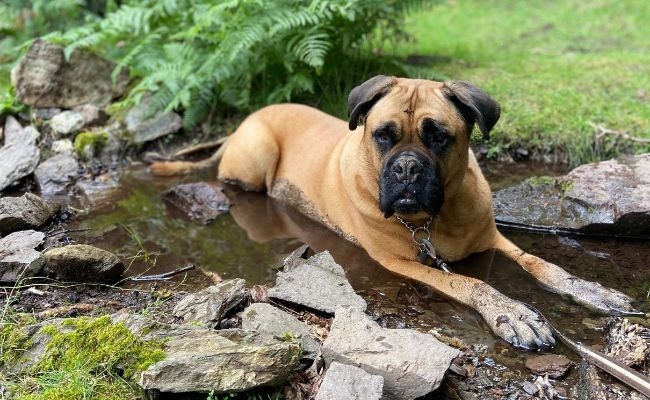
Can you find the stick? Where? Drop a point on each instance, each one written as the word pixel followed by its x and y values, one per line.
pixel 162 277
pixel 199 147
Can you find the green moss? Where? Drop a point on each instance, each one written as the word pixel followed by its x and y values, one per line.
pixel 543 180
pixel 101 343
pixel 13 339
pixel 86 144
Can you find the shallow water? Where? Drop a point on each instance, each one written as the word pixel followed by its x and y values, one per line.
pixel 252 239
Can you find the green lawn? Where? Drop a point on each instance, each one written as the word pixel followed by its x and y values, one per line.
pixel 557 67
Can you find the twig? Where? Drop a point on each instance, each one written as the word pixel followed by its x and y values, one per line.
pixel 602 131
pixel 199 147
pixel 212 276
pixel 162 277
pixel 67 310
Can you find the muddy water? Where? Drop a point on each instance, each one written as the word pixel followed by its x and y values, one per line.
pixel 251 240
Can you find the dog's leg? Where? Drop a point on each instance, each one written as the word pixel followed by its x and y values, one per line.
pixel 509 319
pixel 591 294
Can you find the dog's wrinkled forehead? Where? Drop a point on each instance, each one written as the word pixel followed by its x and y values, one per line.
pixel 416 97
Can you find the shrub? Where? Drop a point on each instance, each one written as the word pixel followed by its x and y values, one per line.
pixel 196 55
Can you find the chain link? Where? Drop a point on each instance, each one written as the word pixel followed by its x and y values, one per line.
pixel 414 230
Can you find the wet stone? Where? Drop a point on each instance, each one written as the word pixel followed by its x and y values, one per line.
pixel 347 382
pixel 200 201
pixel 91 114
pixel 82 263
pixel 97 190
pixel 611 196
pixel 318 283
pixel 556 366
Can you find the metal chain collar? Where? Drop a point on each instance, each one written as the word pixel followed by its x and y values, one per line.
pixel 414 231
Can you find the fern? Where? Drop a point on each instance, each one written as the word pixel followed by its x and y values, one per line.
pixel 195 55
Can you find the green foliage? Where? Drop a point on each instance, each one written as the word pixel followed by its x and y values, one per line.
pixel 196 55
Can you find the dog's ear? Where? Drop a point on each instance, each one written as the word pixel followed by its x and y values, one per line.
pixel 364 96
pixel 474 105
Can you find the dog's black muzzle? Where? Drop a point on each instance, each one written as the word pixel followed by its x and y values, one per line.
pixel 410 183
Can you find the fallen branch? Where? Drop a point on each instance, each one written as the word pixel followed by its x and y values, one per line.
pixel 67 310
pixel 162 277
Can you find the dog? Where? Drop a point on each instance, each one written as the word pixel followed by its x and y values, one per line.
pixel 399 180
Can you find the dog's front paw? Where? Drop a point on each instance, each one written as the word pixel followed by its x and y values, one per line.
pixel 597 297
pixel 512 320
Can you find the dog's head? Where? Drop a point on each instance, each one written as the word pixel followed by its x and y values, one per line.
pixel 417 133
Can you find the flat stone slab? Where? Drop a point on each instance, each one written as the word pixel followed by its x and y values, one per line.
pixel 145 127
pixel 264 318
pixel 318 283
pixel 57 173
pixel 411 363
pixel 611 197
pixel 346 382
pixel 208 307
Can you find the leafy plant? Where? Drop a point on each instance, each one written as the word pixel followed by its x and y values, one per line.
pixel 197 55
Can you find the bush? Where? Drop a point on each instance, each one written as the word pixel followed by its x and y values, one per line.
pixel 197 55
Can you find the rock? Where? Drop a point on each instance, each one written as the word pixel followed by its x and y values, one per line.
pixel 145 127
pixel 204 361
pixel 346 382
pixel 97 190
pixel 62 146
pixel 43 78
pixel 26 212
pixel 627 342
pixel 18 259
pixel 82 263
pixel 209 306
pixel 607 197
pixel 555 365
pixel 264 318
pixel 92 115
pixel 411 363
pixel 199 201
pixel 66 123
pixel 56 174
pixel 19 155
pixel 318 283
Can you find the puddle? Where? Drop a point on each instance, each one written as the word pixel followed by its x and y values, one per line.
pixel 251 240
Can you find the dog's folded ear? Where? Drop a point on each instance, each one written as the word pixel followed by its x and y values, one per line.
pixel 474 105
pixel 364 96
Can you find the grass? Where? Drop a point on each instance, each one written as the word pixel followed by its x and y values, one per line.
pixel 560 69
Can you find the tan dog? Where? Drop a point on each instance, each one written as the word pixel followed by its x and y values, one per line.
pixel 402 186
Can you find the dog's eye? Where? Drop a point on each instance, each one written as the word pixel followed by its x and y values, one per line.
pixel 435 135
pixel 385 136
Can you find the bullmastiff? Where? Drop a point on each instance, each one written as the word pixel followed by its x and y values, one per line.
pixel 399 180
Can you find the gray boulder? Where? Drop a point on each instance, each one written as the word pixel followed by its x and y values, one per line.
pixel 145 127
pixel 44 78
pixel 82 263
pixel 346 382
pixel 26 212
pixel 19 155
pixel 411 363
pixel 57 173
pixel 209 306
pixel 67 123
pixel 607 197
pixel 18 257
pixel 264 318
pixel 200 201
pixel 318 283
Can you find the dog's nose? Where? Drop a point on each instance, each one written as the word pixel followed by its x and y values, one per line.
pixel 406 168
